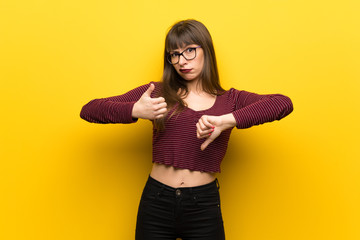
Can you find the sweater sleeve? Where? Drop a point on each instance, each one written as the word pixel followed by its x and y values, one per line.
pixel 254 109
pixel 116 109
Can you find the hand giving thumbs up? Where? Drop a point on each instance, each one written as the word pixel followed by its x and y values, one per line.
pixel 149 108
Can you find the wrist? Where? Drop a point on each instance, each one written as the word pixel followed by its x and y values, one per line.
pixel 228 121
pixel 134 113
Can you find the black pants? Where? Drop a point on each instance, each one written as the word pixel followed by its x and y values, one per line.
pixel 191 213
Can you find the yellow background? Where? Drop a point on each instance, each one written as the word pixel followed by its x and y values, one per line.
pixel 64 178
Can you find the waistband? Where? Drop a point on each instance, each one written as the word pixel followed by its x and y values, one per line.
pixel 200 188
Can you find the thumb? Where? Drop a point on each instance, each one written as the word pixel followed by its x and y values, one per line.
pixel 206 143
pixel 150 89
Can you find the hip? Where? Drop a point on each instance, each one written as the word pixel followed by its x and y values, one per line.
pixel 177 177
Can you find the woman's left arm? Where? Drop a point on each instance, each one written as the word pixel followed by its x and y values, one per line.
pixel 254 109
pixel 250 109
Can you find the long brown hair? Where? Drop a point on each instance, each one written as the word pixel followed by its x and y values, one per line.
pixel 184 33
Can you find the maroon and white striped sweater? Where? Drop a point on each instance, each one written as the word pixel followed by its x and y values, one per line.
pixel 178 145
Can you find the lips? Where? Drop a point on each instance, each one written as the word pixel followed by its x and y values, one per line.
pixel 184 70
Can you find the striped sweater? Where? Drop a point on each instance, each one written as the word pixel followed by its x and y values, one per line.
pixel 178 145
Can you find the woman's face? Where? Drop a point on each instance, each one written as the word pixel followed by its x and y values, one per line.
pixel 189 70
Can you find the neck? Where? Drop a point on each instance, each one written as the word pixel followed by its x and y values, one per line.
pixel 194 86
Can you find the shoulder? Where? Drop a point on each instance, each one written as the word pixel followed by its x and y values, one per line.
pixel 237 97
pixel 144 87
pixel 233 93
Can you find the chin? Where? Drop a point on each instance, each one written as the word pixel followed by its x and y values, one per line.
pixel 188 78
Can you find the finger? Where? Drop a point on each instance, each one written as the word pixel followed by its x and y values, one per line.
pixel 206 134
pixel 203 131
pixel 205 121
pixel 202 125
pixel 159 116
pixel 160 111
pixel 198 130
pixel 160 106
pixel 158 100
pixel 150 89
pixel 205 124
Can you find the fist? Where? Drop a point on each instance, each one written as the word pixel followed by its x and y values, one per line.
pixel 210 127
pixel 149 108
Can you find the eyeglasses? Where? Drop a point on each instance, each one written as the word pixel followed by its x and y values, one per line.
pixel 188 54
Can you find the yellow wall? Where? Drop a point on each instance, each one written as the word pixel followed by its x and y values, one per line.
pixel 64 178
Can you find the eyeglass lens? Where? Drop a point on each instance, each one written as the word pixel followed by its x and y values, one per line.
pixel 188 54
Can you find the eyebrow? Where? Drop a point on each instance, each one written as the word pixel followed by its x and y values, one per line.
pixel 188 46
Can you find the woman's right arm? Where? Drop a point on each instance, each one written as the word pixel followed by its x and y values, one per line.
pixel 126 108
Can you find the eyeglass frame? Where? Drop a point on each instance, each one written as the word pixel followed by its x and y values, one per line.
pixel 181 54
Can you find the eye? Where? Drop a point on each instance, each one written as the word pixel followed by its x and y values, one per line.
pixel 175 54
pixel 189 50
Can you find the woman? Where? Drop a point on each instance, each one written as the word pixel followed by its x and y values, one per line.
pixel 192 117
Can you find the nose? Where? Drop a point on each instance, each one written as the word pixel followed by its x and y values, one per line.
pixel 182 60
